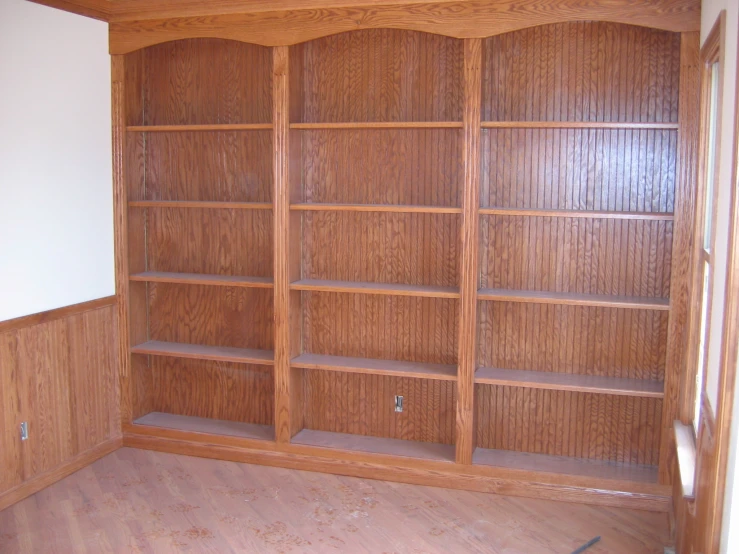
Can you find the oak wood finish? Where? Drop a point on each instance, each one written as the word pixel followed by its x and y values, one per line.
pixel 207 426
pixel 470 19
pixel 58 373
pixel 484 227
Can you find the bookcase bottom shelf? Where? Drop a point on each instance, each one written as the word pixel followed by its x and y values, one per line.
pixel 375 445
pixel 563 465
pixel 207 426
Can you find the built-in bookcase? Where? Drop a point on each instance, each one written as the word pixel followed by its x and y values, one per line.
pixel 481 227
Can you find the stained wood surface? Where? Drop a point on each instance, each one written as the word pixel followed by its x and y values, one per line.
pixel 574 299
pixel 207 426
pixel 375 445
pixel 564 465
pixel 573 339
pixel 392 208
pixel 213 390
pixel 381 327
pixel 58 373
pixel 466 19
pixel 574 424
pixel 53 315
pixel 199 204
pixel 201 127
pixel 382 75
pixel 410 249
pixel 579 214
pixel 569 382
pixel 444 372
pixel 360 404
pixel 201 352
pixel 375 288
pixel 203 279
pixel 211 316
pixel 403 166
pixel 230 507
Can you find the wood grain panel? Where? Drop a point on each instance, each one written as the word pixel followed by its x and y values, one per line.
pixel 212 316
pixel 466 19
pixel 206 81
pixel 388 166
pixel 382 327
pixel 593 426
pixel 382 75
pixel 581 169
pixel 413 249
pixel 365 405
pixel 590 256
pixel 585 71
pixel 222 166
pixel 60 376
pixel 573 339
pixel 215 390
pixel 217 242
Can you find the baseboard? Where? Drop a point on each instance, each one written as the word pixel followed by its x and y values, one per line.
pixel 436 475
pixel 43 480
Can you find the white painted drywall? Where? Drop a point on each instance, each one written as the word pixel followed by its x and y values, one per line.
pixel 56 200
pixel 710 10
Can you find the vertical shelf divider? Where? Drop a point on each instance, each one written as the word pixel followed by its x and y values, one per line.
pixel 281 200
pixel 467 343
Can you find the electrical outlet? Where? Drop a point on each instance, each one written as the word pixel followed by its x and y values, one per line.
pixel 24 431
pixel 398 404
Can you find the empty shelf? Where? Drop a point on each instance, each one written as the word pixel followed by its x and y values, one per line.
pixel 375 288
pixel 583 214
pixel 200 204
pixel 392 208
pixel 205 127
pixel 201 352
pixel 375 445
pixel 203 279
pixel 380 125
pixel 567 466
pixel 208 426
pixel 574 299
pixel 376 367
pixel 575 125
pixel 569 382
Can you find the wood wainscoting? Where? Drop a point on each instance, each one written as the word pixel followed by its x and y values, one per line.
pixel 58 373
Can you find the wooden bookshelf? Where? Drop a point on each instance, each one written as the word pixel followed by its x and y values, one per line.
pixel 581 214
pixel 444 372
pixel 200 279
pixel 199 128
pixel 206 426
pixel 387 208
pixel 202 352
pixel 569 382
pixel 633 125
pixel 574 299
pixel 375 288
pixel 379 125
pixel 375 445
pixel 200 205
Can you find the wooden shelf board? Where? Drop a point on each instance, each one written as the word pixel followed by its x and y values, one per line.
pixel 198 204
pixel 380 125
pixel 389 289
pixel 563 465
pixel 203 279
pixel 375 445
pixel 575 125
pixel 201 352
pixel 209 426
pixel 574 299
pixel 320 207
pixel 569 382
pixel 376 367
pixel 585 214
pixel 212 127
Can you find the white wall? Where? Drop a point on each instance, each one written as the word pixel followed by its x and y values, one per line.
pixel 56 201
pixel 709 12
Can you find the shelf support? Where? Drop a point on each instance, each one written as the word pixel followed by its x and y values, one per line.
pixel 467 343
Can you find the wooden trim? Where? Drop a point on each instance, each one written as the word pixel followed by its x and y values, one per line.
pixel 388 208
pixel 43 480
pixel 469 279
pixel 372 366
pixel 281 198
pixel 574 299
pixel 582 214
pixel 58 313
pixel 379 125
pixel 96 9
pixel 460 19
pixel 202 279
pixel 681 275
pixel 203 352
pixel 481 478
pixel 200 128
pixel 389 289
pixel 199 205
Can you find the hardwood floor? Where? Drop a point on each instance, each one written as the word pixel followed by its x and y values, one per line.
pixel 143 501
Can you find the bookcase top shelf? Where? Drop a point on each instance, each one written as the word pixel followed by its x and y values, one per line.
pixel 200 127
pixel 391 289
pixel 582 214
pixel 199 204
pixel 574 299
pixel 389 208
